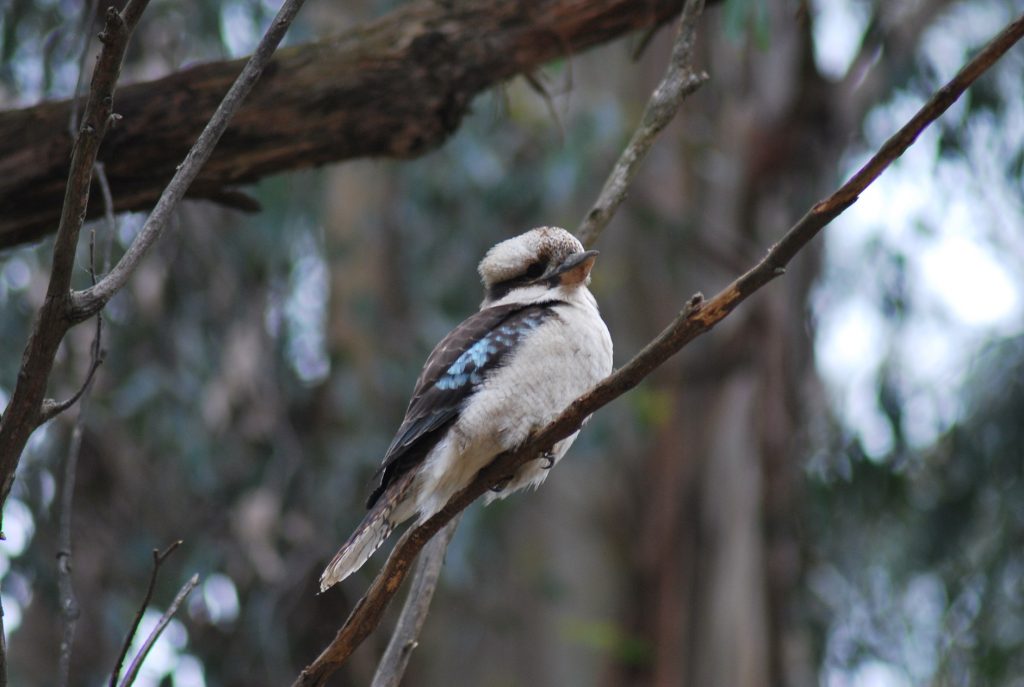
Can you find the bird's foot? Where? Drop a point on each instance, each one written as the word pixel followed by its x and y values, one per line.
pixel 550 458
pixel 500 486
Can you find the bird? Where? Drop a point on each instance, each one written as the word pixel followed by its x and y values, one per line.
pixel 537 343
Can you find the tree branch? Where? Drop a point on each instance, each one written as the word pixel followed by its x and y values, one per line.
pixel 63 308
pixel 140 658
pixel 396 87
pixel 417 604
pixel 680 80
pixel 86 303
pixel 21 416
pixel 158 560
pixel 697 317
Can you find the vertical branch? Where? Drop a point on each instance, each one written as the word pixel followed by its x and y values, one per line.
pixel 414 613
pixel 25 409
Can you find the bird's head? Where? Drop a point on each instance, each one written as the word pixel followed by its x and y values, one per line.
pixel 542 259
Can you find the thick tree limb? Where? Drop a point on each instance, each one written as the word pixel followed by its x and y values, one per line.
pixel 396 87
pixel 698 317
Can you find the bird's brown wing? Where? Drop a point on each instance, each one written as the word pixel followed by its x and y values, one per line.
pixel 453 372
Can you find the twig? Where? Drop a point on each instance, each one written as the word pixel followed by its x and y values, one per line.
pixel 417 604
pixel 158 559
pixel 88 302
pixel 133 669
pixel 697 317
pixel 680 80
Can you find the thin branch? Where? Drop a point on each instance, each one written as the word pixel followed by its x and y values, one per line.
pixel 417 604
pixel 158 559
pixel 133 669
pixel 21 416
pixel 51 408
pixel 85 31
pixel 697 317
pixel 86 303
pixel 680 80
pixel 70 609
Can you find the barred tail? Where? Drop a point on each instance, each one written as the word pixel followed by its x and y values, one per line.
pixel 368 537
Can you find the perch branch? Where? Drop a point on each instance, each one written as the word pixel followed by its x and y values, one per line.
pixel 697 317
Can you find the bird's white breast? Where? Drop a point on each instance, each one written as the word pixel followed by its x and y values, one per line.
pixel 551 367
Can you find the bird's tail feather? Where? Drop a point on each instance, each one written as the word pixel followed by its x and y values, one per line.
pixel 373 531
pixel 368 537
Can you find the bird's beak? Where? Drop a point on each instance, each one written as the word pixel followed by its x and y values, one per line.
pixel 575 269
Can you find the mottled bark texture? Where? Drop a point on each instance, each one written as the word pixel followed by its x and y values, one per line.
pixel 396 87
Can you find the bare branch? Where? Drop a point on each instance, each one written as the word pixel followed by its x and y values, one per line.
pixel 86 303
pixel 70 609
pixel 697 317
pixel 680 80
pixel 133 669
pixel 21 416
pixel 417 604
pixel 158 559
pixel 63 308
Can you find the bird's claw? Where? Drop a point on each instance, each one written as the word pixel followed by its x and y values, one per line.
pixel 500 486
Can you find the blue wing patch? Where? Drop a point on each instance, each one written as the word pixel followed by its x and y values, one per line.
pixel 453 372
pixel 469 367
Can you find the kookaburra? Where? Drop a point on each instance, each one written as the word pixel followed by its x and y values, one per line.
pixel 537 343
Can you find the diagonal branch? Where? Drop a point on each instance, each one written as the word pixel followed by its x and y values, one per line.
pixel 158 560
pixel 85 304
pixel 140 658
pixel 680 80
pixel 697 317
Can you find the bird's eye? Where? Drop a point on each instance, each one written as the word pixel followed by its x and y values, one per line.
pixel 535 269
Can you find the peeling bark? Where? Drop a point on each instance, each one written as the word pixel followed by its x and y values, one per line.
pixel 397 87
